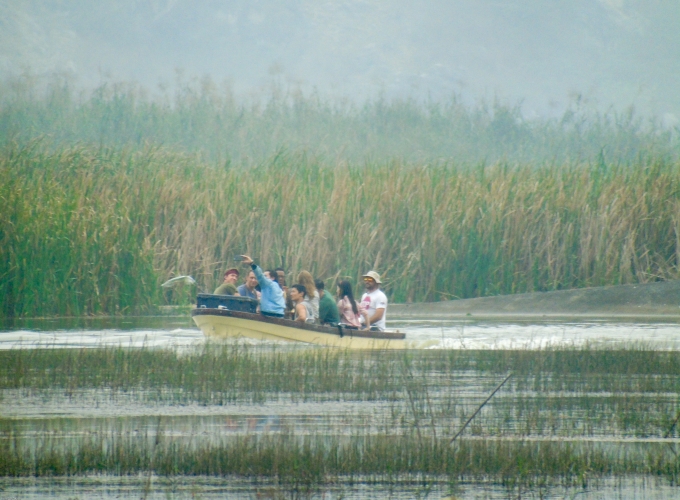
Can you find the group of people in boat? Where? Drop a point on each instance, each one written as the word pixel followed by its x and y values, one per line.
pixel 307 301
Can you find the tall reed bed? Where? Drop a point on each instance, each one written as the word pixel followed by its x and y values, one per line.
pixel 96 230
pixel 205 118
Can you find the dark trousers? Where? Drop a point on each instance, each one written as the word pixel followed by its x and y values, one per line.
pixel 271 314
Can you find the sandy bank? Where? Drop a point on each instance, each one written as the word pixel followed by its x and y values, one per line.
pixel 660 299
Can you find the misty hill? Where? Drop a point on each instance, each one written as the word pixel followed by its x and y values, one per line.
pixel 609 52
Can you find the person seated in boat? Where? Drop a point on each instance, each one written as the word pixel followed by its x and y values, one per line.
pixel 328 310
pixel 351 313
pixel 374 301
pixel 281 278
pixel 305 279
pixel 271 295
pixel 281 274
pixel 228 286
pixel 271 275
pixel 302 311
pixel 248 289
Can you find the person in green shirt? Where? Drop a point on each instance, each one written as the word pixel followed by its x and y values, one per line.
pixel 228 286
pixel 328 309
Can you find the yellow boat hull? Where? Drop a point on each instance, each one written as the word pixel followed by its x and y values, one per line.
pixel 231 324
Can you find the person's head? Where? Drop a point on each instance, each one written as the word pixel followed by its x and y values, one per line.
pixel 297 292
pixel 251 281
pixel 319 284
pixel 231 276
pixel 271 274
pixel 372 281
pixel 281 276
pixel 305 279
pixel 345 290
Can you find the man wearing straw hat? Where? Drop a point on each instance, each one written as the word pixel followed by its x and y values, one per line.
pixel 374 301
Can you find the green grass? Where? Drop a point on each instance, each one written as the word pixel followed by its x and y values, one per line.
pixel 95 230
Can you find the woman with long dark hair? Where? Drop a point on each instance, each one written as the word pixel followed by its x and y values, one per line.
pixel 350 311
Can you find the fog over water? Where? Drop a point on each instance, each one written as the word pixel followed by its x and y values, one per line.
pixel 544 55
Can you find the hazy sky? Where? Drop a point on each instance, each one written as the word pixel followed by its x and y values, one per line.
pixel 542 53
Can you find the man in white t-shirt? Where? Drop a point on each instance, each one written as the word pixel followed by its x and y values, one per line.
pixel 374 301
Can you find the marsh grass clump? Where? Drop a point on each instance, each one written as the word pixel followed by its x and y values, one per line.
pixel 315 459
pixel 418 392
pixel 105 227
pixel 235 370
pixel 558 421
pixel 213 373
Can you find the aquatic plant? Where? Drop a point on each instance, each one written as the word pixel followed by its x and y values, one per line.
pixel 549 393
pixel 545 427
pixel 318 459
pixel 96 230
pixel 300 369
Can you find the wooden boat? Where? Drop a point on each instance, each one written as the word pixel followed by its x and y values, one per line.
pixel 234 317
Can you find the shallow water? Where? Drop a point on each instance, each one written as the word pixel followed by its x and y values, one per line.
pixel 154 487
pixel 179 331
pixel 582 416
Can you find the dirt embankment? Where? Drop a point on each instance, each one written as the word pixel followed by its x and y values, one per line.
pixel 641 300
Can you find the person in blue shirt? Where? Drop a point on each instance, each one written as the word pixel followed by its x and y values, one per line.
pixel 272 302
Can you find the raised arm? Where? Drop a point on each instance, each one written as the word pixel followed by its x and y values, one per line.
pixel 259 275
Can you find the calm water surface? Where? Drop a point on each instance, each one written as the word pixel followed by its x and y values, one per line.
pixel 179 331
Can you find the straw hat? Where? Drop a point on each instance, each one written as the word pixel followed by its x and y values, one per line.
pixel 374 275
